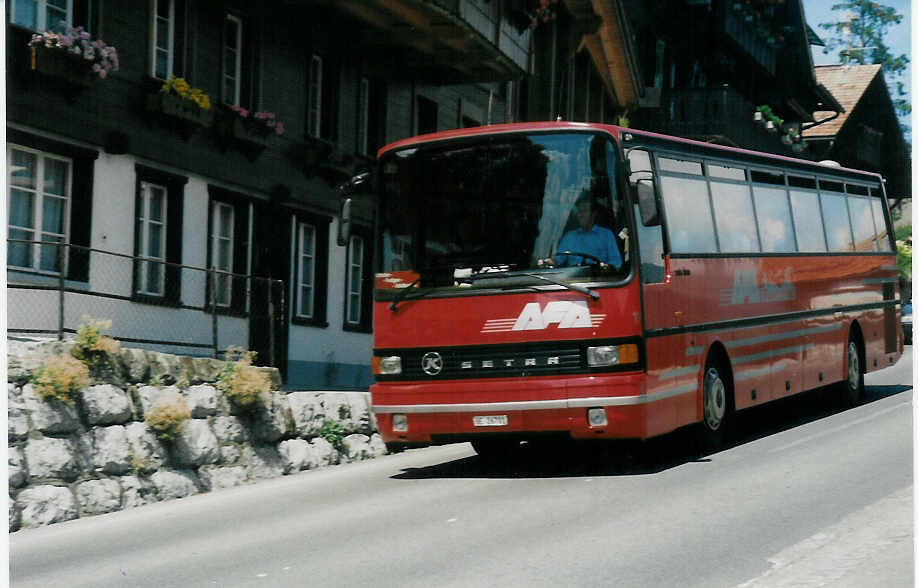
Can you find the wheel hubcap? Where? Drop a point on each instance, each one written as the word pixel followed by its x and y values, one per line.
pixel 715 400
pixel 854 367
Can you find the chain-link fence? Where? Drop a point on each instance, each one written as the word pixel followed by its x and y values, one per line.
pixel 53 287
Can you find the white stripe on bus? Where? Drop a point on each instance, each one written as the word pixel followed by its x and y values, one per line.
pixel 536 404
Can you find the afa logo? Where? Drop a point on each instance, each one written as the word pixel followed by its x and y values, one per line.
pixel 749 287
pixel 566 314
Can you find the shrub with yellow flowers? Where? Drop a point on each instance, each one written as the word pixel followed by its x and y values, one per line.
pixel 180 87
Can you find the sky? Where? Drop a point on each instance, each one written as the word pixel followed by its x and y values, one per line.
pixel 898 37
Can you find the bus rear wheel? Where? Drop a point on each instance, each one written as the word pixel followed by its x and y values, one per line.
pixel 852 389
pixel 715 402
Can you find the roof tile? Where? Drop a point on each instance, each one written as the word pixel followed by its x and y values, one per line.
pixel 848 84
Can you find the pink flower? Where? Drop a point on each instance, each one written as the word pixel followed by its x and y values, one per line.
pixel 102 74
pixel 279 129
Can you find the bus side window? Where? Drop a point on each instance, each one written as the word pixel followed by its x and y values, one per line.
pixel 650 241
pixel 650 238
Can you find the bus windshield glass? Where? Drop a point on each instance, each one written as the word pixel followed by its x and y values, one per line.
pixel 498 210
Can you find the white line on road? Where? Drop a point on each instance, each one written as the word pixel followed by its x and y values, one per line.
pixel 825 432
pixel 869 547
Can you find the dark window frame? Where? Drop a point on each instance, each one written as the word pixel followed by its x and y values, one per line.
pixel 175 196
pixel 81 196
pixel 319 316
pixel 365 325
pixel 240 202
pixel 179 30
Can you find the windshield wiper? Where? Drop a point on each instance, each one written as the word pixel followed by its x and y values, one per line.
pixel 582 289
pixel 403 294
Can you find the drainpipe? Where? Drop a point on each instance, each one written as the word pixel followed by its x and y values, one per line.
pixel 806 126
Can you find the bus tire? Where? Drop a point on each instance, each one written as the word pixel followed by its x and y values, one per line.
pixel 715 403
pixel 852 388
pixel 495 450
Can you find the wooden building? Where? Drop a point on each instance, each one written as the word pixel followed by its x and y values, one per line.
pixel 119 170
pixel 866 134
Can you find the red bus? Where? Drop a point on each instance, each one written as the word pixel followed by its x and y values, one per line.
pixel 595 282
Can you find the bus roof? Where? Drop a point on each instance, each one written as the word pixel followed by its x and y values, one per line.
pixel 617 131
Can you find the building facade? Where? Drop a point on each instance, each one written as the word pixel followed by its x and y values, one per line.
pixel 202 222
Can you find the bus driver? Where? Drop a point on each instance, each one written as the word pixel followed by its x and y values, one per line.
pixel 588 237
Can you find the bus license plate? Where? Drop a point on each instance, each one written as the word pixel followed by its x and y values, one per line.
pixel 495 420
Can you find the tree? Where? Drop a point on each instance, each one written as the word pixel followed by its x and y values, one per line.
pixel 859 37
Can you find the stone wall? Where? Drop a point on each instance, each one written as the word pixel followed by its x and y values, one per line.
pixel 98 455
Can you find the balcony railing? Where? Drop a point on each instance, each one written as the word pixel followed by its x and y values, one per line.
pixel 151 303
pixel 712 114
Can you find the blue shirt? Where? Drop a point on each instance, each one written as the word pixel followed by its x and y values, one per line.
pixel 598 241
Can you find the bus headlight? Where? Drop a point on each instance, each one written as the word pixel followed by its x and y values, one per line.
pixel 387 366
pixel 608 355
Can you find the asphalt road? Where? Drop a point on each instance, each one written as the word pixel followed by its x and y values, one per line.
pixel 809 495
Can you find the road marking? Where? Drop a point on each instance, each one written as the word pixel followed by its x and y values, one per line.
pixel 872 546
pixel 841 427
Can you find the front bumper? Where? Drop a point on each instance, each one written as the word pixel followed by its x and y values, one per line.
pixel 441 412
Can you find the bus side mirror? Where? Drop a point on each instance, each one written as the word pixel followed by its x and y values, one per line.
pixel 647 203
pixel 344 222
pixel 346 189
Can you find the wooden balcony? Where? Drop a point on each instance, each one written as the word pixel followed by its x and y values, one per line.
pixel 443 40
pixel 716 115
pixel 753 41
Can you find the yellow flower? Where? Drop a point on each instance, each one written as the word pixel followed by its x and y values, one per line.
pixel 181 86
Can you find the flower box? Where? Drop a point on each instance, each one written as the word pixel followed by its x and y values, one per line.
pixel 70 58
pixel 180 109
pixel 237 133
pixel 240 131
pixel 61 66
pixel 248 132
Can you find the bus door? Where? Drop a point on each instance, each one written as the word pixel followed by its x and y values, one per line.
pixel 672 365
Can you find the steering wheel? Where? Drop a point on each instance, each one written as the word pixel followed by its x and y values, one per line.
pixel 582 255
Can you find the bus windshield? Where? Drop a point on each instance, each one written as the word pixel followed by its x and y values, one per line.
pixel 514 205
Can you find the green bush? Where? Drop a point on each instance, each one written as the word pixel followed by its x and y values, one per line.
pixel 61 377
pixel 91 346
pixel 245 385
pixel 166 418
pixel 904 252
pixel 332 432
